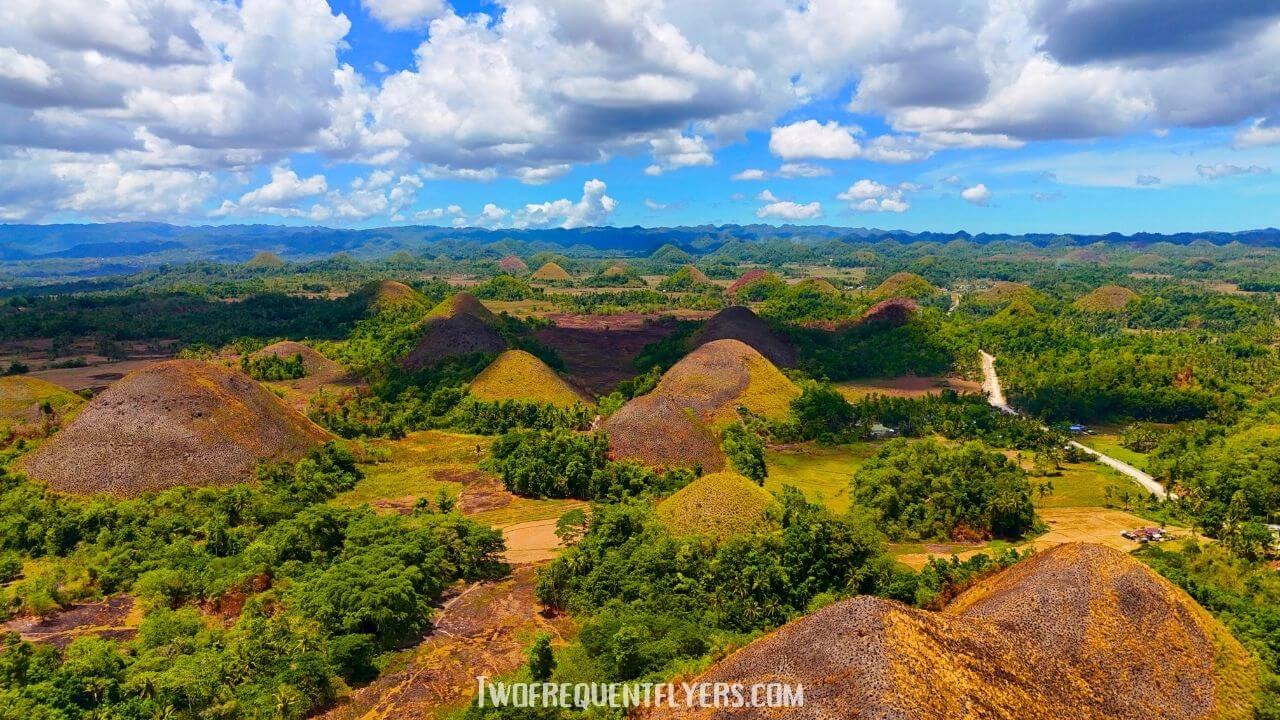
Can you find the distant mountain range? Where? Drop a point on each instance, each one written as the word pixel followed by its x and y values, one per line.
pixel 159 242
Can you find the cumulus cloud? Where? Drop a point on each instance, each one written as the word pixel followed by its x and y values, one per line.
pixel 1222 170
pixel 802 170
pixel 812 139
pixel 977 194
pixel 777 208
pixel 654 205
pixel 750 174
pixel 1258 134
pixel 676 151
pixel 594 208
pixel 403 14
pixel 870 196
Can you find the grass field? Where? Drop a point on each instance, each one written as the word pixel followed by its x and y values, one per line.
pixel 1107 440
pixel 905 386
pixel 419 465
pixel 1080 485
pixel 821 473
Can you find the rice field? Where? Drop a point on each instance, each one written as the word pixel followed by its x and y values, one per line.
pixel 821 473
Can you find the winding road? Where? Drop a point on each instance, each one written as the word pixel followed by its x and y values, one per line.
pixel 996 398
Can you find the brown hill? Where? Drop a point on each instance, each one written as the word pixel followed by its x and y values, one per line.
pixel 659 432
pixel 1002 292
pixel 518 375
pixel 551 272
pixel 749 277
pixel 740 323
pixel 717 506
pixel 450 337
pixel 180 422
pixel 313 362
pixel 1078 632
pixel 822 286
pixel 389 295
pixel 463 303
pixel 1108 298
pixel 513 264
pixel 718 377
pixel 891 313
pixel 616 270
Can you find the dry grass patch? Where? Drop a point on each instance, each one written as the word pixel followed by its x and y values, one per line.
pixel 717 506
pixel 518 375
pixel 1108 298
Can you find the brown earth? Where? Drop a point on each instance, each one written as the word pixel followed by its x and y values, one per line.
pixel 180 422
pixel 113 618
pixel 389 295
pixel 483 629
pixel 551 272
pixel 1080 632
pixel 891 313
pixel 740 323
pixel 513 264
pixel 463 303
pixel 598 350
pixel 456 336
pixel 747 278
pixel 658 432
pixel 718 377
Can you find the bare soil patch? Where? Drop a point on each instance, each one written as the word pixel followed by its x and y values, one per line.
pixel 598 350
pixel 113 618
pixel 482 629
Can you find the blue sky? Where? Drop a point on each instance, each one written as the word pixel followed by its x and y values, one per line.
pixel 913 114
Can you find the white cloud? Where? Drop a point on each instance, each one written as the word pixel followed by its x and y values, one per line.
pixel 285 187
pixel 812 139
pixel 654 204
pixel 594 208
pixel 787 210
pixel 750 174
pixel 676 151
pixel 870 196
pixel 403 14
pixel 978 194
pixel 25 69
pixel 767 195
pixel 1258 134
pixel 1222 169
pixel 804 170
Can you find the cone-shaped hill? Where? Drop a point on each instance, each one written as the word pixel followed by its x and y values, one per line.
pixel 179 422
pixel 1078 632
pixel 659 432
pixel 822 286
pixel 717 506
pixel 904 284
pixel 390 296
pixel 23 399
pixel 518 375
pixel 1002 292
pixel 716 378
pixel 463 303
pixel 752 276
pixel 513 264
pixel 459 326
pixel 551 272
pixel 1108 298
pixel 737 322
pixel 891 313
pixel 313 362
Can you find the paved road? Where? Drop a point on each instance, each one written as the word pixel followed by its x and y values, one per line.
pixel 995 396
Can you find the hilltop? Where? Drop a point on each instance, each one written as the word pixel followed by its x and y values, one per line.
pixel 718 377
pixel 1108 298
pixel 389 296
pixel 894 312
pixel 717 506
pixel 179 422
pixel 1078 632
pixel 750 277
pixel 513 264
pixel 737 322
pixel 518 375
pixel 551 272
pixel 313 362
pixel 659 432
pixel 463 303
pixel 904 284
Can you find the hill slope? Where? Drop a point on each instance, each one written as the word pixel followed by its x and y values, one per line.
pixel 551 272
pixel 740 323
pixel 21 399
pixel 658 432
pixel 518 375
pixel 716 378
pixel 717 506
pixel 180 422
pixel 1108 298
pixel 313 362
pixel 1079 632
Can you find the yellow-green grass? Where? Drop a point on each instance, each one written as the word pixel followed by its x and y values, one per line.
pixel 518 375
pixel 418 467
pixel 905 386
pixel 716 506
pixel 462 303
pixel 1079 485
pixel 769 392
pixel 551 272
pixel 21 396
pixel 1108 298
pixel 822 473
pixel 522 510
pixel 904 284
pixel 1108 442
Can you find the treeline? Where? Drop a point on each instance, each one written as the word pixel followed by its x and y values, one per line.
pixel 311 594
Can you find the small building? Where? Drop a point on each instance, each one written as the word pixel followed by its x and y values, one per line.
pixel 1079 430
pixel 881 432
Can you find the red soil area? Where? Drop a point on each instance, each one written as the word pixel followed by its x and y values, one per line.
pixel 598 349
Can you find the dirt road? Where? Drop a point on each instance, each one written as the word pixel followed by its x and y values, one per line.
pixel 995 396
